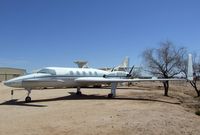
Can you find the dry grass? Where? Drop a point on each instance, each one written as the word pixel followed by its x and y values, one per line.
pixel 141 109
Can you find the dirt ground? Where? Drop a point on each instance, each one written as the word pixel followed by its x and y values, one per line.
pixel 140 109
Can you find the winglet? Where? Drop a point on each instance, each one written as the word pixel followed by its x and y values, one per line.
pixel 190 68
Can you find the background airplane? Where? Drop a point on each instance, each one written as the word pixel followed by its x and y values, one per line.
pixel 59 77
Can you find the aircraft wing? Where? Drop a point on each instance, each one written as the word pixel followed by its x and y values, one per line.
pixel 118 80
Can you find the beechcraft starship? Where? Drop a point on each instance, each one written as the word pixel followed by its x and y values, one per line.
pixel 58 77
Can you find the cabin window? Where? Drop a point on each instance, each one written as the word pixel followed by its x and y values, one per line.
pixel 95 73
pixel 77 73
pixel 47 71
pixel 90 73
pixel 84 73
pixel 71 73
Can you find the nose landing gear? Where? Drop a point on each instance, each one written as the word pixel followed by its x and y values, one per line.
pixel 28 98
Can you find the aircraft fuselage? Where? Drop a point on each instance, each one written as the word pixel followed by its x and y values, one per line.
pixel 60 77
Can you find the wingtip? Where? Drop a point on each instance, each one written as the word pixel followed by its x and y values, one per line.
pixel 190 68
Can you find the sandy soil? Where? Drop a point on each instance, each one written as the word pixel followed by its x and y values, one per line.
pixel 140 110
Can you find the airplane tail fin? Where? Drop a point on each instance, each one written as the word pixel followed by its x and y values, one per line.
pixel 190 68
pixel 125 62
pixel 124 65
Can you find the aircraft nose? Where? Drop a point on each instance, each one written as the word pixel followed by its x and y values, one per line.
pixel 12 83
pixel 7 83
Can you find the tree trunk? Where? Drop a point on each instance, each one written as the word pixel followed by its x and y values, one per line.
pixel 194 85
pixel 166 86
pixel 198 93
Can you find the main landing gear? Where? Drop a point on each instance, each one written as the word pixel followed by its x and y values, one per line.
pixel 78 92
pixel 28 98
pixel 113 90
pixel 110 95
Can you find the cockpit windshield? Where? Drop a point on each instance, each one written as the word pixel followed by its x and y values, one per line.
pixel 47 71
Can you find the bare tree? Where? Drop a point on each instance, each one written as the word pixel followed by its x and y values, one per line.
pixel 164 62
pixel 136 73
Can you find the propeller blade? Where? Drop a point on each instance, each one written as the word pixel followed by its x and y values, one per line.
pixel 112 69
pixel 129 74
pixel 131 69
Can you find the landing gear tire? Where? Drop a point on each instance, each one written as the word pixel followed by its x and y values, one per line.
pixel 28 99
pixel 78 93
pixel 110 95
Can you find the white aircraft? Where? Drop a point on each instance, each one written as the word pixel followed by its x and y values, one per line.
pixel 58 77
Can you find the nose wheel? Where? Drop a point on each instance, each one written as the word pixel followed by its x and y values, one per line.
pixel 28 99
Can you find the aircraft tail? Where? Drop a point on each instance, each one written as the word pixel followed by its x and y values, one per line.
pixel 190 68
pixel 124 65
pixel 125 62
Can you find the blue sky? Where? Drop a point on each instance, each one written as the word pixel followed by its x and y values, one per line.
pixel 39 33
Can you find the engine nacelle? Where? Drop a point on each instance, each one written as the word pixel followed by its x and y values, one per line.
pixel 120 74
